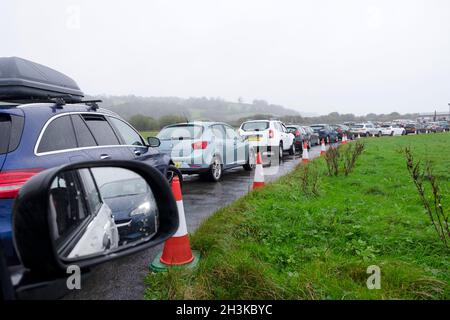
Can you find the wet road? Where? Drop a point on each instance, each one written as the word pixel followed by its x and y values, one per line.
pixel 123 279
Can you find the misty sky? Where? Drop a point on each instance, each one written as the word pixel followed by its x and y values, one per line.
pixel 316 56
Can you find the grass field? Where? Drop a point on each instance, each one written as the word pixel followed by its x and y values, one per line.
pixel 146 134
pixel 277 243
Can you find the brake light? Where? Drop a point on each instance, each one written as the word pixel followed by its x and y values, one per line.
pixel 12 181
pixel 297 133
pixel 200 145
pixel 271 134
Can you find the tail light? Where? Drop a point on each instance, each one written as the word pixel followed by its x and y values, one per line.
pixel 297 133
pixel 271 134
pixel 339 130
pixel 12 181
pixel 200 145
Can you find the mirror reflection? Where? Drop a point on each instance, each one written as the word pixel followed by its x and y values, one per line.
pixel 97 210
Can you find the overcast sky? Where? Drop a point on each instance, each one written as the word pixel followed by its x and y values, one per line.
pixel 318 56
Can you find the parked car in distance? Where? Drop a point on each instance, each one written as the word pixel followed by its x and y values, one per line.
pixel 270 135
pixel 435 127
pixel 326 132
pixel 206 148
pixel 445 125
pixel 313 137
pixel 300 136
pixel 342 129
pixel 392 130
pixel 365 129
pixel 410 128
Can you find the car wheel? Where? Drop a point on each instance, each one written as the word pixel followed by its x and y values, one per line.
pixel 215 170
pixel 292 149
pixel 280 151
pixel 392 133
pixel 173 171
pixel 251 161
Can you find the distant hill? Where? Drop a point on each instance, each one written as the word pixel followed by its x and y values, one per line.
pixel 192 108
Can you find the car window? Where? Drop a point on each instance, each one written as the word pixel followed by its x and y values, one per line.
pixel 129 135
pixel 255 126
pixel 59 135
pixel 218 131
pixel 82 132
pixel 67 206
pixel 183 131
pixel 283 127
pixel 102 131
pixel 91 192
pixel 5 131
pixel 231 133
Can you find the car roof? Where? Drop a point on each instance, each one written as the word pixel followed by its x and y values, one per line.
pixel 197 123
pixel 52 108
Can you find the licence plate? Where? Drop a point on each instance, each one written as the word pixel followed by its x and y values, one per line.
pixel 178 164
pixel 255 139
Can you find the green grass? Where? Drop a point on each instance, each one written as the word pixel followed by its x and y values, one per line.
pixel 146 134
pixel 276 243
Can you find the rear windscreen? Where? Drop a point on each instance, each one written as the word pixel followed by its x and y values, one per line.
pixel 187 132
pixel 255 126
pixel 317 128
pixel 10 132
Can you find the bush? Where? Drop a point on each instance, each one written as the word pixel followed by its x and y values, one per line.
pixel 143 123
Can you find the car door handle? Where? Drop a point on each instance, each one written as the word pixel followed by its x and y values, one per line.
pixel 105 157
pixel 137 152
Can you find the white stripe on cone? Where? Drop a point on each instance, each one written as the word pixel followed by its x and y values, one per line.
pixel 182 228
pixel 258 180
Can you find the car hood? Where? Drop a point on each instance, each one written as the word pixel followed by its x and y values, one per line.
pixel 121 207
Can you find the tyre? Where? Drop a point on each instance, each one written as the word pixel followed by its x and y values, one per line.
pixel 215 170
pixel 173 171
pixel 392 133
pixel 251 161
pixel 292 149
pixel 280 152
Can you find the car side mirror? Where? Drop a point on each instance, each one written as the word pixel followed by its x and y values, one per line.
pixel 87 213
pixel 153 142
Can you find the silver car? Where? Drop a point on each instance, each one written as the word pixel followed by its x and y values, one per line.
pixel 206 148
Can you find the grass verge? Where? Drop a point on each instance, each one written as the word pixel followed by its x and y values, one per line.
pixel 278 243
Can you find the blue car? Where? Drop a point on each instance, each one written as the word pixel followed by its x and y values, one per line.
pixel 133 208
pixel 37 136
pixel 206 148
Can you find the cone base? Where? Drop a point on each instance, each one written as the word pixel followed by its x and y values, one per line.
pixel 305 160
pixel 257 185
pixel 158 266
pixel 322 153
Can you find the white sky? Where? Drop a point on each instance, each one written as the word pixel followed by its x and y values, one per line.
pixel 318 56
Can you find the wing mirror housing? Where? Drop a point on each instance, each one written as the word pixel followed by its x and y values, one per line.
pixel 153 142
pixel 88 213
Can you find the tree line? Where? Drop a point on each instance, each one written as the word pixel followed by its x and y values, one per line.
pixel 145 123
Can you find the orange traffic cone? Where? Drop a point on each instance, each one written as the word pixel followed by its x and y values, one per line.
pixel 344 139
pixel 177 249
pixel 258 180
pixel 323 150
pixel 305 155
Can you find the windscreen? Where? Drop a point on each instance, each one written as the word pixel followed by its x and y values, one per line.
pixel 185 132
pixel 255 126
pixel 317 128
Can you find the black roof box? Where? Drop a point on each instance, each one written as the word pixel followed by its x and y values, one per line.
pixel 25 81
